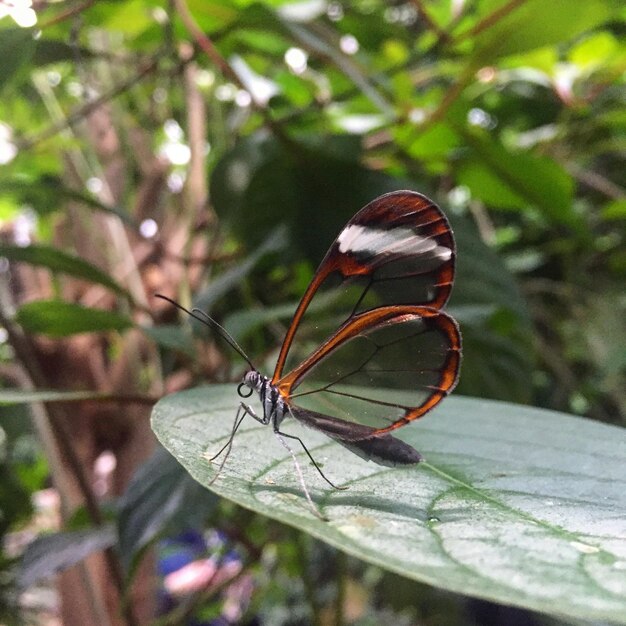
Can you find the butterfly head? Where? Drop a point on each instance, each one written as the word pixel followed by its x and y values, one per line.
pixel 252 381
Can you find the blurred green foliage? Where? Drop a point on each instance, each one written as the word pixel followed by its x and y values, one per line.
pixel 509 114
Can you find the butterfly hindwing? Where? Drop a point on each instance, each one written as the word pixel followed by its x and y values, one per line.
pixel 384 450
pixel 412 352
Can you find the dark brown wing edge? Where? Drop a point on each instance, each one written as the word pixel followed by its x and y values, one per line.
pixel 391 210
pixel 359 439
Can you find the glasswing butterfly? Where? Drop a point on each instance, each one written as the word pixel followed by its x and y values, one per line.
pixel 384 281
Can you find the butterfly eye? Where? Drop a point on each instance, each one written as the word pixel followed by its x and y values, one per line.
pixel 244 391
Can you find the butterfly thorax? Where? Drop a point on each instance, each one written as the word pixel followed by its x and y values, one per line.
pixel 274 405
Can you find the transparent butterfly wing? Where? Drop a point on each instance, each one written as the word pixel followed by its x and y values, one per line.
pixel 353 375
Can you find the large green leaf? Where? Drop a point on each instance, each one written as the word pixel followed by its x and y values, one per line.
pixel 514 504
pixel 61 319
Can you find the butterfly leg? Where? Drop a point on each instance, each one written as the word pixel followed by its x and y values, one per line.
pixel 229 444
pixel 317 467
pixel 250 411
pixel 314 509
pixel 236 424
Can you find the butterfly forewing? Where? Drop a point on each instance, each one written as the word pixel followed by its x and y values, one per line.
pixel 397 250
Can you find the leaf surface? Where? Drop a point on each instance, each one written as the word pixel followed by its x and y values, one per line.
pixel 533 23
pixel 514 504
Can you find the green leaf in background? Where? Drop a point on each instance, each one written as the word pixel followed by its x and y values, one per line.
pixel 54 50
pixel 535 23
pixel 61 319
pixel 171 336
pixel 160 497
pixel 47 193
pixel 131 18
pixel 483 284
pixel 598 48
pixel 59 261
pixel 615 210
pixel 21 396
pixel 486 185
pixel 504 179
pixel 214 15
pixel 516 505
pixel 17 46
pixel 53 553
pixel 15 501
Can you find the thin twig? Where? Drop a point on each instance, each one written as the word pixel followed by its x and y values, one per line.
pixel 208 47
pixel 66 14
pixel 442 35
pixel 205 44
pixel 196 183
pixel 490 20
pixel 83 111
pixel 597 182
pixel 99 397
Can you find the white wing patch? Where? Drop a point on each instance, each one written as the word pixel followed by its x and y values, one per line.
pixel 358 238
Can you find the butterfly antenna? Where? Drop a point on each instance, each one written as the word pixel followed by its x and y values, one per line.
pixel 207 320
